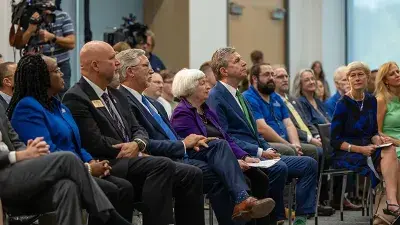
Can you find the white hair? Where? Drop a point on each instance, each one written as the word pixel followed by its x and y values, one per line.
pixel 127 58
pixel 186 81
pixel 341 70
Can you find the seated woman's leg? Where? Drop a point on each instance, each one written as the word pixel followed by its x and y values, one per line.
pixel 389 167
pixel 305 169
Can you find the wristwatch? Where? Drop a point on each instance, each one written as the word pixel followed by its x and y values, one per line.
pixel 141 144
pixel 54 39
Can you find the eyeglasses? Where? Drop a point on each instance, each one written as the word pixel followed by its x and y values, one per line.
pixel 353 76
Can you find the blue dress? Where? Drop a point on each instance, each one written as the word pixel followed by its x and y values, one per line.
pixel 357 127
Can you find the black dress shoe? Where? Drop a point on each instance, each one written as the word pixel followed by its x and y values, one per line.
pixel 325 210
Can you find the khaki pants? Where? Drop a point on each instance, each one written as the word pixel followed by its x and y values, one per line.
pixel 285 149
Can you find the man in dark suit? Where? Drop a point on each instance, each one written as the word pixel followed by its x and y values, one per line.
pixel 165 142
pixel 7 71
pixel 110 131
pixel 236 119
pixel 34 181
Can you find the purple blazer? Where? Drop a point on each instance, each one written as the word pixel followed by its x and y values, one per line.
pixel 185 120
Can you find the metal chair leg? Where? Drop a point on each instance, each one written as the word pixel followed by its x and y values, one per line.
pixel 318 196
pixel 368 200
pixel 344 183
pixel 357 186
pixel 210 214
pixel 371 204
pixel 363 197
pixel 330 190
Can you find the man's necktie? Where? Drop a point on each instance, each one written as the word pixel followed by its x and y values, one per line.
pixel 159 120
pixel 114 116
pixel 244 108
pixel 297 117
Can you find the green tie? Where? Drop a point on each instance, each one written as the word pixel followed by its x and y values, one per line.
pixel 244 108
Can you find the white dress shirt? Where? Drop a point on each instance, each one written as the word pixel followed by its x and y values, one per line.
pixel 166 106
pixel 4 148
pixel 6 97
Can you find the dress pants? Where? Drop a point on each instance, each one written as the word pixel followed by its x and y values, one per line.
pixel 303 168
pixel 120 193
pixel 222 177
pixel 308 150
pixel 259 185
pixel 153 177
pixel 58 181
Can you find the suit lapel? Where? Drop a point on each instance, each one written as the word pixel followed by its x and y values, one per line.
pixel 94 97
pixel 163 117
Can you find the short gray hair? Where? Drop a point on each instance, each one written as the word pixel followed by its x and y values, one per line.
pixel 296 87
pixel 357 65
pixel 339 71
pixel 186 81
pixel 127 58
pixel 220 59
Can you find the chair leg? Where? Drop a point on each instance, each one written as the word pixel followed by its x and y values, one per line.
pixel 318 196
pixel 344 183
pixel 330 190
pixel 371 204
pixel 210 214
pixel 368 201
pixel 357 186
pixel 291 192
pixel 363 197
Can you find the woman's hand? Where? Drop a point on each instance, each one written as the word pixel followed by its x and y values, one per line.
pixel 100 169
pixel 368 150
pixel 249 159
pixel 243 165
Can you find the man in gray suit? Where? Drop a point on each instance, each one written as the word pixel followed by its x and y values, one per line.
pixel 34 181
pixel 7 72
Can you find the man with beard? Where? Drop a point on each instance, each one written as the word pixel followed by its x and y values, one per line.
pixel 272 116
pixel 7 71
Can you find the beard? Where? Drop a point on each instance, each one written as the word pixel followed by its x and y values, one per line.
pixel 266 88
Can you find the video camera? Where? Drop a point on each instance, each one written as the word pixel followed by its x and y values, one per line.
pixel 132 32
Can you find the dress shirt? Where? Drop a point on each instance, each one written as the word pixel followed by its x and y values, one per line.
pixel 4 148
pixel 6 97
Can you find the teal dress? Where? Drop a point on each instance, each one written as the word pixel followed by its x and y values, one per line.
pixel 391 123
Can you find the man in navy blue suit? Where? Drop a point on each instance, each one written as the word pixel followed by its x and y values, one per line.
pixel 236 119
pixel 163 140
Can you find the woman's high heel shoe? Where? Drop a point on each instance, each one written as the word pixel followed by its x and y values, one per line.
pixel 387 211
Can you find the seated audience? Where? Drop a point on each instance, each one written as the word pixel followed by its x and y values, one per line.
pixel 121 46
pixel 342 87
pixel 35 181
pixel 218 169
pixel 304 86
pixel 355 137
pixel 319 73
pixel 272 116
pixel 7 71
pixel 207 70
pixel 371 81
pixel 155 62
pixel 35 111
pixel 236 119
pixel 257 57
pixel 193 116
pixel 320 91
pixel 387 95
pixel 110 131
pixel 167 98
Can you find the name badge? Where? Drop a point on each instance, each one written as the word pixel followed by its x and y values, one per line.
pixel 97 103
pixel 276 104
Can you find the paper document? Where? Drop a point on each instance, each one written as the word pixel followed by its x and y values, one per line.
pixel 264 164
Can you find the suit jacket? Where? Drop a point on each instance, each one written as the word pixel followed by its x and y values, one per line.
pixel 96 126
pixel 3 102
pixel 233 120
pixel 159 143
pixel 10 138
pixel 30 119
pixel 186 121
pixel 300 110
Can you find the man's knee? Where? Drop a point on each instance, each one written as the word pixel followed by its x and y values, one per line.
pixel 165 164
pixel 66 187
pixel 279 171
pixel 311 164
pixel 284 149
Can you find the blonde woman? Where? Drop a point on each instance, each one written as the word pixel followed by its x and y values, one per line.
pixel 355 137
pixel 387 94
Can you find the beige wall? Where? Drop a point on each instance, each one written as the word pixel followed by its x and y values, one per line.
pixel 255 30
pixel 169 20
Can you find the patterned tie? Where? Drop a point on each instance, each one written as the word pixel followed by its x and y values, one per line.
pixel 297 117
pixel 114 116
pixel 244 108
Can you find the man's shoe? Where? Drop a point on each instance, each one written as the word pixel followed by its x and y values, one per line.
pixel 252 208
pixel 347 205
pixel 325 210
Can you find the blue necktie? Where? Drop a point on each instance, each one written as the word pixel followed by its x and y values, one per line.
pixel 159 120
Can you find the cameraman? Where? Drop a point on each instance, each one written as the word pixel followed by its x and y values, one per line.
pixel 55 36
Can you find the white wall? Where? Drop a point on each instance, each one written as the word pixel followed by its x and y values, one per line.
pixel 5 24
pixel 317 32
pixel 208 29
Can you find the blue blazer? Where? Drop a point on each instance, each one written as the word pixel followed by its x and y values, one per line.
pixel 233 120
pixel 159 143
pixel 312 114
pixel 30 120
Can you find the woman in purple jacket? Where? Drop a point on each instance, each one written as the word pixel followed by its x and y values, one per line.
pixel 193 116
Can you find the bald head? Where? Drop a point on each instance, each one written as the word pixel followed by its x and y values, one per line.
pixel 98 62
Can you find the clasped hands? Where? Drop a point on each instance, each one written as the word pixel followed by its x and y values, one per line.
pixel 100 168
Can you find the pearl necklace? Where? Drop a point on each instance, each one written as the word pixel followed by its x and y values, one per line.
pixel 362 103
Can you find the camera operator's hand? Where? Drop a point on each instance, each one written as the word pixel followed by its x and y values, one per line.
pixel 32 27
pixel 46 36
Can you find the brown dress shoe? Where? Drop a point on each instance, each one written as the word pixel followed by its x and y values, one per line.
pixel 251 208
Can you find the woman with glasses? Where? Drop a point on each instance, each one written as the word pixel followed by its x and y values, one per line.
pixel 304 88
pixel 355 137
